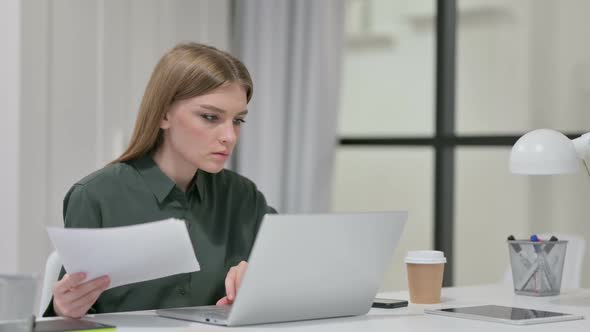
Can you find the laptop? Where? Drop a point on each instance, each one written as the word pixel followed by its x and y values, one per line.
pixel 308 267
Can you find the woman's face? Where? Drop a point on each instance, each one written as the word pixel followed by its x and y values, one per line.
pixel 202 131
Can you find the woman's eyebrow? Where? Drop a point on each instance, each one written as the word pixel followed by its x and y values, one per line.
pixel 219 110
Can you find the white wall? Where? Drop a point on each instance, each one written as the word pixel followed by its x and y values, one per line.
pixel 84 66
pixel 9 132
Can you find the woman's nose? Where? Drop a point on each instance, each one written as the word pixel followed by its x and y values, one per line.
pixel 228 134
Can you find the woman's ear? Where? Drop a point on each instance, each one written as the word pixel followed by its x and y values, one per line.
pixel 165 123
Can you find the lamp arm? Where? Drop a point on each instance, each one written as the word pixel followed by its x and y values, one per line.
pixel 582 145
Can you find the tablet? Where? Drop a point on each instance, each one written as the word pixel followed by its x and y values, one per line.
pixel 507 315
pixel 65 324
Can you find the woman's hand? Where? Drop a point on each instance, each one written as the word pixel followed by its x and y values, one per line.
pixel 72 299
pixel 232 282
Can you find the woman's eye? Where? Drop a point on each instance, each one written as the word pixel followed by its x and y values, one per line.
pixel 210 117
pixel 239 121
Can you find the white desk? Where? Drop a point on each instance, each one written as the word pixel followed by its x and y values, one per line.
pixel 402 319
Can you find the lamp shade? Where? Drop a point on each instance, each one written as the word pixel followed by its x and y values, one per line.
pixel 543 152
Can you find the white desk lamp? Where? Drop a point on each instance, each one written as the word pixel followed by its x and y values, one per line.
pixel 546 151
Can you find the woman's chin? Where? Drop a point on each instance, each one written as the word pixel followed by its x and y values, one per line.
pixel 213 168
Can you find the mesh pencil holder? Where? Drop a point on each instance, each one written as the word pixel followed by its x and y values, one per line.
pixel 537 267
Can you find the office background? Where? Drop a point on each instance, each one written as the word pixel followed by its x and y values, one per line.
pixel 72 74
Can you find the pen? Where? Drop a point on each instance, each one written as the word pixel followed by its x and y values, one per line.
pixel 530 266
pixel 530 273
pixel 550 268
pixel 516 246
pixel 535 238
pixel 526 260
pixel 548 246
pixel 543 265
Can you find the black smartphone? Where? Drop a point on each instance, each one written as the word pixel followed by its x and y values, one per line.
pixel 389 303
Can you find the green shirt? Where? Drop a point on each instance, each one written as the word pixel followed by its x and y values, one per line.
pixel 222 212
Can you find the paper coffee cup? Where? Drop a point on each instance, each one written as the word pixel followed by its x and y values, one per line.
pixel 425 275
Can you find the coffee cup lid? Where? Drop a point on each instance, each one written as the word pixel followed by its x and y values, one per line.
pixel 425 257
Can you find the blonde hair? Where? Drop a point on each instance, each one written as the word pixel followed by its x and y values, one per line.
pixel 186 71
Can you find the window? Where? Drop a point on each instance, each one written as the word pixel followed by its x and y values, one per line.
pixel 432 102
pixel 388 95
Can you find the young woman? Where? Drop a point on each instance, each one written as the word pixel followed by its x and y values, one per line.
pixel 187 127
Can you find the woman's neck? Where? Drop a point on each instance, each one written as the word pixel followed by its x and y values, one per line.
pixel 176 168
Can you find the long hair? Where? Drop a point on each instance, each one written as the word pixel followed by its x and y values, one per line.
pixel 186 71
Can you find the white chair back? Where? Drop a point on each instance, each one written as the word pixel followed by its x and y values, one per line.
pixel 52 269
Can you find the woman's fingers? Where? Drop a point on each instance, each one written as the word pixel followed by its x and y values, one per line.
pixel 223 301
pixel 80 307
pixel 83 289
pixel 234 279
pixel 241 270
pixel 230 287
pixel 67 282
pixel 73 299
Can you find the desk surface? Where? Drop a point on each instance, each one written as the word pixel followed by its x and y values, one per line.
pixel 411 318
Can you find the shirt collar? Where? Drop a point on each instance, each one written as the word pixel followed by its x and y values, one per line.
pixel 158 182
pixel 198 185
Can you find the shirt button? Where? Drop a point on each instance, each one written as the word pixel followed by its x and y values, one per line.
pixel 182 291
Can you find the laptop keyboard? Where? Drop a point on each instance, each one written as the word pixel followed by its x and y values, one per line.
pixel 221 312
pixel 213 312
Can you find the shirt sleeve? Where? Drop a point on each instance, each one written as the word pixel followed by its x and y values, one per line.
pixel 263 208
pixel 270 210
pixel 80 210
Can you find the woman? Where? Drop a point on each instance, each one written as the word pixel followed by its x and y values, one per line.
pixel 186 129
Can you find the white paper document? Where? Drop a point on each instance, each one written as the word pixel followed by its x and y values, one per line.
pixel 126 254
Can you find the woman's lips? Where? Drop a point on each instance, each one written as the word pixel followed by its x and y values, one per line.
pixel 221 155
